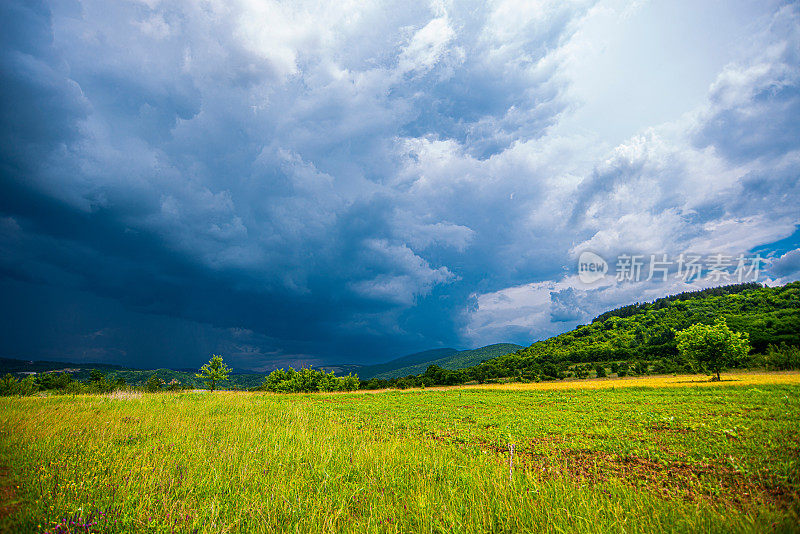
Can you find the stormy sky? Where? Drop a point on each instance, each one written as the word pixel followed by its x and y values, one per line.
pixel 307 182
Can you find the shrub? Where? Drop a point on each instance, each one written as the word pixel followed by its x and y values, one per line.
pixel 27 386
pixel 9 385
pixel 782 357
pixel 153 384
pixel 175 385
pixel 307 381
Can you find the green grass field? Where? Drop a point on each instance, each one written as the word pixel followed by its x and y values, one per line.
pixel 717 458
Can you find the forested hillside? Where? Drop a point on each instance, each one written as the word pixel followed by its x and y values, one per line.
pixel 455 360
pixel 768 315
pixel 640 338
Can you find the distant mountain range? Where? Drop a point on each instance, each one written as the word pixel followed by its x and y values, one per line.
pixel 414 364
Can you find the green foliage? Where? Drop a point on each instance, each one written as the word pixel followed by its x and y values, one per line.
pixel 53 381
pixel 9 385
pixel 782 358
pixel 306 381
pixel 714 347
pixel 153 384
pixel 214 371
pixel 582 371
pixel 640 307
pixel 601 371
pixel 175 385
pixel 644 335
pixel 640 339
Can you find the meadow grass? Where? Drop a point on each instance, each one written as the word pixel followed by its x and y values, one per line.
pixel 645 456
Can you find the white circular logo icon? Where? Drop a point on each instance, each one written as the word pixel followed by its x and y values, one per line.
pixel 591 267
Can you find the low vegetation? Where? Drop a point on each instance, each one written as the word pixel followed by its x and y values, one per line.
pixel 589 456
pixel 306 381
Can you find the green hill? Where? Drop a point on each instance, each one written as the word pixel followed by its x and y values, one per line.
pixel 769 315
pixel 369 371
pixel 640 338
pixel 455 360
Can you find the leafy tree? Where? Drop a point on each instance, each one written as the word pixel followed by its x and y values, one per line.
pixel 27 386
pixel 9 385
pixel 153 384
pixel 307 381
pixel 581 371
pixel 175 385
pixel 601 371
pixel 95 375
pixel 348 383
pixel 714 347
pixel 784 357
pixel 214 371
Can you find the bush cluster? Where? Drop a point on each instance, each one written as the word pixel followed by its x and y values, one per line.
pixel 306 381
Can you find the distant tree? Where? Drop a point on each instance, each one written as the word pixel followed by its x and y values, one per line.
pixel 601 371
pixel 214 372
pixel 782 357
pixel 95 375
pixel 153 384
pixel 348 383
pixel 175 385
pixel 9 385
pixel 27 386
pixel 714 347
pixel 581 371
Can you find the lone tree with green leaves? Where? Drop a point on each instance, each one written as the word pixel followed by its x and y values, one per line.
pixel 714 347
pixel 214 371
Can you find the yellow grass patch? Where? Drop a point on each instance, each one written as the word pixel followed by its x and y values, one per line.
pixel 661 381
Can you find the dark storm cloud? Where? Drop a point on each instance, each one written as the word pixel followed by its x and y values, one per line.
pixel 298 183
pixel 192 176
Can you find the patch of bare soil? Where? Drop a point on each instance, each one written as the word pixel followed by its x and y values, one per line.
pixel 712 480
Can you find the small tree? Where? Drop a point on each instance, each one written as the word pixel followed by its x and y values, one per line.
pixel 9 385
pixel 714 347
pixel 175 385
pixel 153 384
pixel 27 386
pixel 214 371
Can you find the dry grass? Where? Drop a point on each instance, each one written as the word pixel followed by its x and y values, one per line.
pixel 661 381
pixel 124 395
